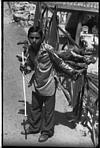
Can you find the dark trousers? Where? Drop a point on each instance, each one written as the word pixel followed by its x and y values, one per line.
pixel 42 116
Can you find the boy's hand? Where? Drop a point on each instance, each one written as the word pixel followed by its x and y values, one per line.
pixel 77 73
pixel 89 59
pixel 24 69
pixel 20 57
pixel 48 47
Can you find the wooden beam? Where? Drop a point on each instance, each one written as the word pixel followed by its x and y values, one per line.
pixel 71 6
pixel 69 37
pixel 65 33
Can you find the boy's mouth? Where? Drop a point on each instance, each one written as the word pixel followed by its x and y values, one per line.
pixel 34 45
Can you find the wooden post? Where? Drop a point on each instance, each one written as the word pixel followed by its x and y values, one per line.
pixel 24 92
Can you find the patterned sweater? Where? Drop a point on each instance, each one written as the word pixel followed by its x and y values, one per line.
pixel 42 65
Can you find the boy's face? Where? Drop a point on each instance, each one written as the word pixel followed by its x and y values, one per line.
pixel 35 40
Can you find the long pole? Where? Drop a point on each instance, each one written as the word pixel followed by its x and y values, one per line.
pixel 65 33
pixel 24 84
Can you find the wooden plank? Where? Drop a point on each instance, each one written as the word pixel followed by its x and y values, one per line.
pixel 92 7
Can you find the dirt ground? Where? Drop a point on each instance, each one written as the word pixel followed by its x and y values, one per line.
pixel 65 135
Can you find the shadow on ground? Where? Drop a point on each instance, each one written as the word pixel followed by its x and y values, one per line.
pixel 63 118
pixel 60 117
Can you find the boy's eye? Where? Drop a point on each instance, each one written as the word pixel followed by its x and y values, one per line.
pixel 37 38
pixel 34 38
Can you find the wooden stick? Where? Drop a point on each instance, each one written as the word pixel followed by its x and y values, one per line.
pixel 24 83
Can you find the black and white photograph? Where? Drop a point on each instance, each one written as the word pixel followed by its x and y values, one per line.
pixel 50 60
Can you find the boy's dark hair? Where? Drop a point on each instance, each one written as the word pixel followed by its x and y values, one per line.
pixel 35 29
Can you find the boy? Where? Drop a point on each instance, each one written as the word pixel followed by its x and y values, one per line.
pixel 39 61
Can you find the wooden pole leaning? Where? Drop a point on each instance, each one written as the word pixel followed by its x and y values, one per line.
pixel 24 91
pixel 24 94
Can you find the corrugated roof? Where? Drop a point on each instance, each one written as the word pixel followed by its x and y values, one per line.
pixel 81 6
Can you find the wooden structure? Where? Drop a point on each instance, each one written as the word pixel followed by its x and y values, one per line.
pixel 76 13
pixel 92 7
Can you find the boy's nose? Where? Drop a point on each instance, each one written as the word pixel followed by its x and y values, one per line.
pixel 34 40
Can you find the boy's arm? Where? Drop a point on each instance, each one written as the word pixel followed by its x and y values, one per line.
pixel 77 55
pixel 60 63
pixel 27 67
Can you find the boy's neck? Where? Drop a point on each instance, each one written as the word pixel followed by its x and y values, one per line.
pixel 35 52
